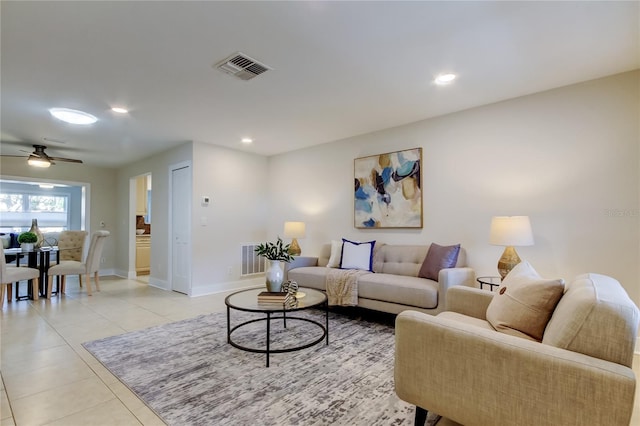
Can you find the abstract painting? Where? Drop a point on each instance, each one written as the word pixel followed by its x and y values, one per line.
pixel 388 190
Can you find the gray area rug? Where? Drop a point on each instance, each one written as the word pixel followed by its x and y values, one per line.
pixel 188 374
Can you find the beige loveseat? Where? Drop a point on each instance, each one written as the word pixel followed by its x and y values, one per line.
pixel 394 285
pixel 455 364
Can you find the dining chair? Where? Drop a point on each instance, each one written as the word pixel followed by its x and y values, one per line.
pixel 12 274
pixel 71 247
pixel 91 265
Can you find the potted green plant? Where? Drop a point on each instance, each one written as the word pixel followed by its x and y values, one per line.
pixel 275 252
pixel 27 240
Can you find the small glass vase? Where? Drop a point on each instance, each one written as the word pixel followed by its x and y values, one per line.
pixel 36 230
pixel 274 276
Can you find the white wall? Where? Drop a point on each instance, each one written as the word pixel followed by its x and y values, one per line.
pixel 568 158
pixel 102 184
pixel 158 166
pixel 237 185
pixel 237 213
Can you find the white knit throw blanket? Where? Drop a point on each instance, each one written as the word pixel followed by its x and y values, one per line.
pixel 342 286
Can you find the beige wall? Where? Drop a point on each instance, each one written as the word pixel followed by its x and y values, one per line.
pixel 568 158
pixel 235 182
pixel 158 165
pixel 101 182
pixel 237 186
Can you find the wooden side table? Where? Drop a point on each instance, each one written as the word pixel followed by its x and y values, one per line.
pixel 490 281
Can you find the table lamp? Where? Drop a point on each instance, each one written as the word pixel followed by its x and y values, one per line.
pixel 510 231
pixel 294 230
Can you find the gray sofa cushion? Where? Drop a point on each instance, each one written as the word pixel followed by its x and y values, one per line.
pixel 410 291
pixel 309 276
pixel 399 259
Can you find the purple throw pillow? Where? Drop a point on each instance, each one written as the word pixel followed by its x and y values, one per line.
pixel 438 257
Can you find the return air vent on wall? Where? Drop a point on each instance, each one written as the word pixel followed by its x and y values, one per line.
pixel 251 263
pixel 242 66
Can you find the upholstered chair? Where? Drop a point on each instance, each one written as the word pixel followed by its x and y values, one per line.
pixel 91 265
pixel 12 274
pixel 580 372
pixel 71 247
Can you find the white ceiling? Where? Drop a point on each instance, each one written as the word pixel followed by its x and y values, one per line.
pixel 339 68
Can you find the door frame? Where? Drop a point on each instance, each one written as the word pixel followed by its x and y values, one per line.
pixel 172 168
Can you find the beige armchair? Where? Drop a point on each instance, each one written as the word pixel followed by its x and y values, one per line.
pixel 73 267
pixel 455 364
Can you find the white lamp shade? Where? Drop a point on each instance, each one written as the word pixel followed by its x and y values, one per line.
pixel 511 231
pixel 294 229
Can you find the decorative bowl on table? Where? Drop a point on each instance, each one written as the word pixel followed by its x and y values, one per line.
pixel 139 231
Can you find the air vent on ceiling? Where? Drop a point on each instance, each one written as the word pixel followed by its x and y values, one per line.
pixel 242 66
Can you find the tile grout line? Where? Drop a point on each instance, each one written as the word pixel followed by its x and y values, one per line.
pixel 82 359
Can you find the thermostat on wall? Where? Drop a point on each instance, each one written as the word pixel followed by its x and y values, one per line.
pixel 205 200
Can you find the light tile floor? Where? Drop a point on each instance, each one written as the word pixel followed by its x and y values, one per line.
pixel 48 378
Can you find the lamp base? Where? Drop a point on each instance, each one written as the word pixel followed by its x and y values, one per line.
pixel 294 248
pixel 508 260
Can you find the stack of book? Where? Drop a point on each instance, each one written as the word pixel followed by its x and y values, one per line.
pixel 271 297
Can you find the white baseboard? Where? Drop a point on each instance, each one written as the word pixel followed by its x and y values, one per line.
pixel 196 291
pixel 120 273
pixel 226 286
pixel 158 283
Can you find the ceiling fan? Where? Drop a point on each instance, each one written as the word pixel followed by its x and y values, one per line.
pixel 39 158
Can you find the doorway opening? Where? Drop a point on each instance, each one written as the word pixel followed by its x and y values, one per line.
pixel 142 226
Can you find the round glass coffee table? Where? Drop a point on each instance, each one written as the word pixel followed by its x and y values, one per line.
pixel 247 301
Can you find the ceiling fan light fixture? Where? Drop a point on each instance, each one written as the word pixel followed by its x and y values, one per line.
pixel 38 162
pixel 73 116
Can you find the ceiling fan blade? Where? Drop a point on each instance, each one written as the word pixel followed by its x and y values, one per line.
pixel 15 156
pixel 67 160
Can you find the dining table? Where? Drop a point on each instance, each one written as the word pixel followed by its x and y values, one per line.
pixel 38 258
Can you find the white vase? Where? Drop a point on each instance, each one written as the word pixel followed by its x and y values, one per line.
pixel 26 246
pixel 274 276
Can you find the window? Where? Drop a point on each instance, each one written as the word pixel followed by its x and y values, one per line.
pixel 17 210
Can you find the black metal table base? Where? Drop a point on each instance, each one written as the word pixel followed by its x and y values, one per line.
pixel 42 263
pixel 269 317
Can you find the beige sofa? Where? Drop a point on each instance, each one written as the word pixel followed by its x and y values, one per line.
pixel 394 286
pixel 455 364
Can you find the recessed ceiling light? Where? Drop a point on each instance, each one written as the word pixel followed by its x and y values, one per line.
pixel 120 110
pixel 73 116
pixel 46 186
pixel 444 79
pixel 247 140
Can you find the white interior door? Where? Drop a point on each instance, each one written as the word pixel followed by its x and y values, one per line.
pixel 181 229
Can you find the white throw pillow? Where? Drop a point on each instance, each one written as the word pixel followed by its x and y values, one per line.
pixel 336 254
pixel 357 255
